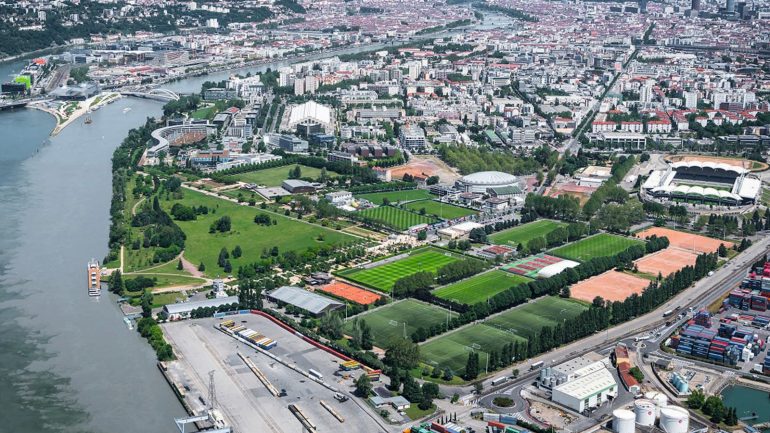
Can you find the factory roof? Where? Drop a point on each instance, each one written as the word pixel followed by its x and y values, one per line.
pixel 584 387
pixel 301 298
pixel 310 110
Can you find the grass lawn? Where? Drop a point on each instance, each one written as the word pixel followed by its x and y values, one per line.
pixel 389 322
pixel 162 299
pixel 244 195
pixel 396 218
pixel 414 412
pixel 528 319
pixel 601 245
pixel 169 280
pixel 478 288
pixel 451 350
pixel 441 210
pixel 525 232
pixel 287 234
pixel 274 176
pixel 396 196
pixel 205 112
pixel 765 199
pixel 383 277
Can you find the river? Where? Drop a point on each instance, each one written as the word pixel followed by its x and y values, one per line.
pixel 749 402
pixel 67 362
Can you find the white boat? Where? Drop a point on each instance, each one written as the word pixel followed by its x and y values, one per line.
pixel 128 323
pixel 94 278
pixel 126 110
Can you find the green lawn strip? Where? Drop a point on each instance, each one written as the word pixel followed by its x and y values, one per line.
pixel 414 412
pixel 480 287
pixel 238 193
pixel 275 176
pixel 398 219
pixel 287 234
pixel 383 277
pixel 164 268
pixel 441 210
pixel 600 245
pixel 525 232
pixel 169 280
pixel 390 322
pixel 396 196
pixel 451 350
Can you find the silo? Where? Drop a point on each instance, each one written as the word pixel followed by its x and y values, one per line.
pixel 645 412
pixel 674 419
pixel 622 421
pixel 660 400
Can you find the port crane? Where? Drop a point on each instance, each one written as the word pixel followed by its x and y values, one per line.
pixel 212 415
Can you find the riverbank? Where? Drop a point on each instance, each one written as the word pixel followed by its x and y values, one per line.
pixel 68 112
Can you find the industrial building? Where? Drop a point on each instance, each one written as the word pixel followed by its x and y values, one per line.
pixel 182 310
pixel 581 383
pixel 310 118
pixel 314 304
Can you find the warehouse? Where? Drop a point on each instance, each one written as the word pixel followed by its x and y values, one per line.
pixel 592 385
pixel 182 310
pixel 314 304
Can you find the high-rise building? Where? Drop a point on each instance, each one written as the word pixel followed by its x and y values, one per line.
pixel 691 99
pixel 730 9
pixel 642 6
pixel 695 5
pixel 645 92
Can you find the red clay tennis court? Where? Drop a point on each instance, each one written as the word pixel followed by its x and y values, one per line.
pixel 666 261
pixel 351 293
pixel 688 241
pixel 611 286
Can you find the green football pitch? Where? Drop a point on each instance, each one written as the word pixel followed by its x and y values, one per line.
pixel 382 277
pixel 451 350
pixel 601 245
pixel 480 287
pixel 396 218
pixel 441 210
pixel 525 232
pixel 398 320
pixel 396 196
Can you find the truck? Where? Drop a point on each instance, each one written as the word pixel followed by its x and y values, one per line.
pixel 499 380
pixel 668 313
pixel 536 365
pixel 315 374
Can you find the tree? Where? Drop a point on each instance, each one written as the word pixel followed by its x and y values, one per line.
pixel 202 267
pixel 471 366
pixel 363 386
pixel 116 282
pixel 146 302
pixel 179 265
pixel 422 235
pixel 696 399
pixel 402 354
pixel 237 252
pixel 331 326
pixel 722 250
pixel 478 235
pixel 412 391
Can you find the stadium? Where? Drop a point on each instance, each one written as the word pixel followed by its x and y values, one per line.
pixel 704 182
pixel 484 180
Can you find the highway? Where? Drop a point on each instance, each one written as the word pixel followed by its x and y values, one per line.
pixel 701 294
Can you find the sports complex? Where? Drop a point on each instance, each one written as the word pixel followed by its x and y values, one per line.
pixel 705 182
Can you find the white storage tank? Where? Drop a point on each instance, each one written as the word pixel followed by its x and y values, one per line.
pixel 622 421
pixel 645 412
pixel 660 400
pixel 674 419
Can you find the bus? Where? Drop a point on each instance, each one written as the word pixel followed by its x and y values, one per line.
pixel 315 374
pixel 499 380
pixel 537 365
pixel 668 313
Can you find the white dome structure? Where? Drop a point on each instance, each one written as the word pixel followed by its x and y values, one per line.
pixel 622 421
pixel 483 180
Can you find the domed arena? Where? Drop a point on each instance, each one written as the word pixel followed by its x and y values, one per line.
pixel 483 180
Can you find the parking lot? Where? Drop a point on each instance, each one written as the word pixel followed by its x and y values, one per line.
pixel 245 402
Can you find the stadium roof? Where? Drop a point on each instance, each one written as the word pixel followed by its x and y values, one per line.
pixel 310 110
pixel 489 178
pixel 750 187
pixel 556 268
pixel 308 301
pixel 709 164
pixel 697 191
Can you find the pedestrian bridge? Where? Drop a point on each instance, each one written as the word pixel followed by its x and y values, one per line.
pixel 164 95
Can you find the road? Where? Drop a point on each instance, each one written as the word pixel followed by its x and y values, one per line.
pixel 701 294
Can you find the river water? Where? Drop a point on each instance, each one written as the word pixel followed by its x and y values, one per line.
pixel 67 362
pixel 748 402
